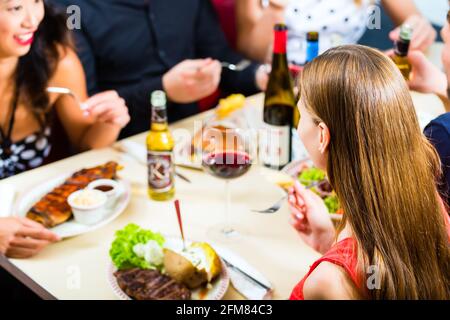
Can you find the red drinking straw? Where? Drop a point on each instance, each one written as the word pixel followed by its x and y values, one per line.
pixel 180 222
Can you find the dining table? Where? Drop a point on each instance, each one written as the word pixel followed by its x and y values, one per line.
pixel 77 267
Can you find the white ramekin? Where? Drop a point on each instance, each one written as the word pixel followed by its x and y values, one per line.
pixel 111 194
pixel 88 215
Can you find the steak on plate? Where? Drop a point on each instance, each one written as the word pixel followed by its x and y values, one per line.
pixel 142 284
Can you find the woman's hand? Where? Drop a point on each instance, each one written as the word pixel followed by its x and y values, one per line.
pixel 310 217
pixel 423 35
pixel 23 238
pixel 108 107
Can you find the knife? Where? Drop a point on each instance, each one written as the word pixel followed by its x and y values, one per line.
pixel 245 274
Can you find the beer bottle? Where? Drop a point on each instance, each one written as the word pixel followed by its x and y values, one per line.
pixel 401 47
pixel 161 170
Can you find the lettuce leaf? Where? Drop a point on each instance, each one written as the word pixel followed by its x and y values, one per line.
pixel 332 203
pixel 310 175
pixel 122 253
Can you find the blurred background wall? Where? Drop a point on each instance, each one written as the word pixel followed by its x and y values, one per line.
pixel 433 10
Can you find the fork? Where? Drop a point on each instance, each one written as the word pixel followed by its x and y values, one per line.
pixel 62 90
pixel 279 203
pixel 241 65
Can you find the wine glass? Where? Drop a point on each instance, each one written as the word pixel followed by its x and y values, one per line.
pixel 226 155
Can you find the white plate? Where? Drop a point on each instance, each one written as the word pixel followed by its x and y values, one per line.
pixel 71 228
pixel 293 169
pixel 218 287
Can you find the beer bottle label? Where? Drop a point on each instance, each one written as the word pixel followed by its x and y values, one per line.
pixel 275 145
pixel 160 171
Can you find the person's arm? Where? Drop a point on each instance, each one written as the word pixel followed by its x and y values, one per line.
pixel 211 42
pixel 255 27
pixel 399 11
pixel 406 12
pixel 107 113
pixel 438 134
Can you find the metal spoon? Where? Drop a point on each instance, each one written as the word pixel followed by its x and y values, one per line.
pixel 62 90
pixel 241 65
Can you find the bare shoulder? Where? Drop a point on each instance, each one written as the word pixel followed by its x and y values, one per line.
pixel 329 282
pixel 68 64
pixel 69 71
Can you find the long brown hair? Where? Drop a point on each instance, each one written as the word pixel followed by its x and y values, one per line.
pixel 384 171
pixel 36 68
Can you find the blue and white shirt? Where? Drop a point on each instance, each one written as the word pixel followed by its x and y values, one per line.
pixel 337 21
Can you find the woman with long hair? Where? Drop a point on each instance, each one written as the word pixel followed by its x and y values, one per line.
pixel 358 123
pixel 36 53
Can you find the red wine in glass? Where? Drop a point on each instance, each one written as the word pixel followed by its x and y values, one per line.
pixel 227 164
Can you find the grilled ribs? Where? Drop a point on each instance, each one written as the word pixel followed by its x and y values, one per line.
pixel 53 208
pixel 150 285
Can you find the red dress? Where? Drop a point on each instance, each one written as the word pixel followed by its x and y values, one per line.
pixel 345 254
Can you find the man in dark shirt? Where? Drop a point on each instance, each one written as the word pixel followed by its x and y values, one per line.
pixel 138 46
pixel 438 132
pixel 429 79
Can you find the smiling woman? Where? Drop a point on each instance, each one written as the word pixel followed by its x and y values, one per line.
pixel 25 71
pixel 35 53
pixel 22 34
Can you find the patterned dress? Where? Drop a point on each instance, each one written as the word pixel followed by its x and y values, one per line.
pixel 26 154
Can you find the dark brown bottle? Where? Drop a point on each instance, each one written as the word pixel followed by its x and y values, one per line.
pixel 279 104
pixel 401 49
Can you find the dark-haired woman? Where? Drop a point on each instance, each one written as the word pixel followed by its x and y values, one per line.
pixel 35 53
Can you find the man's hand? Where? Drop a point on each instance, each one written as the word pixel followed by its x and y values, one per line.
pixel 192 80
pixel 262 77
pixel 445 33
pixel 23 238
pixel 426 77
pixel 423 35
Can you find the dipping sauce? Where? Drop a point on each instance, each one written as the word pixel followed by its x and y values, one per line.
pixel 104 188
pixel 87 198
